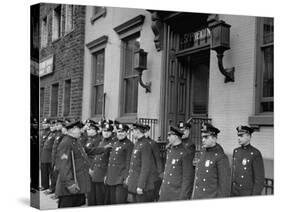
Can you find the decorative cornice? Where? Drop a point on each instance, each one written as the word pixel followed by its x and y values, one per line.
pixel 97 43
pixel 128 25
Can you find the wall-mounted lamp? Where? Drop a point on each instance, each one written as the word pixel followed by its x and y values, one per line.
pixel 140 63
pixel 220 32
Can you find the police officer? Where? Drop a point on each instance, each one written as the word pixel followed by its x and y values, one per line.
pixel 73 179
pixel 185 127
pixel 247 166
pixel 54 171
pixel 118 166
pixel 141 179
pixel 179 173
pixel 46 157
pixel 91 149
pixel 157 165
pixel 212 175
pixel 100 164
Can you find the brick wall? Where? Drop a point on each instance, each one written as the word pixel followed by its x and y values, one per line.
pixel 68 53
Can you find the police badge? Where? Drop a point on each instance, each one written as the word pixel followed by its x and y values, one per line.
pixel 244 162
pixel 207 163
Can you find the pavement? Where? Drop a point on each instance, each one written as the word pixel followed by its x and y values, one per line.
pixel 43 201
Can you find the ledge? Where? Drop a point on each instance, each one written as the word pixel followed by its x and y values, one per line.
pixel 127 119
pixel 98 15
pixel 98 43
pixel 261 120
pixel 129 25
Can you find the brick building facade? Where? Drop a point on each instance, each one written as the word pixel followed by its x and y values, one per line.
pixel 61 60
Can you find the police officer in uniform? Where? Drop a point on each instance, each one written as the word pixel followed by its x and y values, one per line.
pixel 212 175
pixel 157 165
pixel 118 166
pixel 100 164
pixel 46 157
pixel 185 127
pixel 54 171
pixel 141 179
pixel 73 179
pixel 91 149
pixel 247 166
pixel 179 172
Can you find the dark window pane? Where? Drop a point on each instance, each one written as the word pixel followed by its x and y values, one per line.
pixel 200 89
pixel 267 106
pixel 268 72
pixel 268 30
pixel 97 92
pixel 67 95
pixel 99 99
pixel 131 95
pixel 54 100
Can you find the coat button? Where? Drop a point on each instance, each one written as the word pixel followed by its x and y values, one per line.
pixel 216 154
pixel 240 185
pixel 252 153
pixel 171 174
pixel 242 176
pixel 207 170
pixel 168 182
pixel 245 168
pixel 204 189
pixel 204 179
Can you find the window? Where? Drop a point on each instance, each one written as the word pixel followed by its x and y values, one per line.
pixel 264 73
pixel 97 13
pixel 69 14
pixel 44 32
pixel 56 26
pixel 42 96
pixel 130 75
pixel 54 100
pixel 98 81
pixel 67 97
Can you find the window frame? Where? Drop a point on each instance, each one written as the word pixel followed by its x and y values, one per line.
pixel 44 34
pixel 66 32
pixel 51 98
pixel 59 7
pixel 64 95
pixel 125 77
pixel 94 47
pixel 261 118
pixel 42 101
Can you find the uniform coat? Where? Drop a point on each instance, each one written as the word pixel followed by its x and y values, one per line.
pixel 66 177
pixel 100 161
pixel 188 144
pixel 178 175
pixel 46 154
pixel 212 175
pixel 140 172
pixel 247 171
pixel 119 162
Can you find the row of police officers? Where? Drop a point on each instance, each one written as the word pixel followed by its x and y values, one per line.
pixel 95 164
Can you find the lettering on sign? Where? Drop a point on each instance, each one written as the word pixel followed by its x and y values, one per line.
pixel 195 39
pixel 46 66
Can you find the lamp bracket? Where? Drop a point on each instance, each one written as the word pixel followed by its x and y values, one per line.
pixel 147 85
pixel 227 72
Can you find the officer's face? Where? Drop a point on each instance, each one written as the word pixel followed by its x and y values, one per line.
pixel 76 132
pixel 186 132
pixel 52 127
pixel 172 138
pixel 91 132
pixel 45 126
pixel 64 130
pixel 208 140
pixel 58 126
pixel 136 133
pixel 106 134
pixel 244 139
pixel 121 135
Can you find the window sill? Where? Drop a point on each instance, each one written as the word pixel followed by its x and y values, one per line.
pixel 56 40
pixel 127 119
pixel 261 120
pixel 67 33
pixel 98 15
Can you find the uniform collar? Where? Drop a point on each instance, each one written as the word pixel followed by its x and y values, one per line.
pixel 177 146
pixel 246 146
pixel 210 149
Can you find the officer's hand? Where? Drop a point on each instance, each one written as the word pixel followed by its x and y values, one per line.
pixel 139 191
pixel 91 172
pixel 73 189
